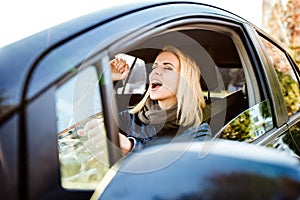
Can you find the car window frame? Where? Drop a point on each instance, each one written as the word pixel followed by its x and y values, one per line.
pixel 278 103
pixel 287 59
pixel 283 122
pixel 114 35
pixel 236 31
pixel 48 94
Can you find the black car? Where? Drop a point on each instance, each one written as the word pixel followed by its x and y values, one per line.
pixel 55 81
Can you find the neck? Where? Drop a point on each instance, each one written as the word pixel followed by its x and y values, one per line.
pixel 167 103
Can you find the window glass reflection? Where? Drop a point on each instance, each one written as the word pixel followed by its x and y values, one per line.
pixel 83 158
pixel 293 139
pixel 286 76
pixel 289 141
pixel 249 125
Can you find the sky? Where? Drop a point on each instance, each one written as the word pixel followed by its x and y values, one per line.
pixel 20 18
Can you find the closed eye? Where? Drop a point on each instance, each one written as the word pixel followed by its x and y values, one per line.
pixel 168 64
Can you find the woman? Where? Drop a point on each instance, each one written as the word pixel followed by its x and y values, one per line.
pixel 171 106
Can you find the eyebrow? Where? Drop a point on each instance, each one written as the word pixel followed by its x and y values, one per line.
pixel 166 63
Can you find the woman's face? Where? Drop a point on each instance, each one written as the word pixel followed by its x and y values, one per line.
pixel 164 79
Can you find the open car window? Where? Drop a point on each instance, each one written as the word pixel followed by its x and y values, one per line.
pixel 226 78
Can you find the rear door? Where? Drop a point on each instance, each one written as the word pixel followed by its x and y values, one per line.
pixel 286 73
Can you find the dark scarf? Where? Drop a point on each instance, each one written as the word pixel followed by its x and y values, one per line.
pixel 154 115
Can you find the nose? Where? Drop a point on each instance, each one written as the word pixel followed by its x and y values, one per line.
pixel 157 71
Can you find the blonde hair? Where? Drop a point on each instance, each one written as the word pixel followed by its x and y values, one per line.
pixel 190 100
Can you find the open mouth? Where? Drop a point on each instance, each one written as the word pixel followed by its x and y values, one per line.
pixel 155 84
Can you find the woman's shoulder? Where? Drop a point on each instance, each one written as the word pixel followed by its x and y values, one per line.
pixel 198 132
pixel 125 117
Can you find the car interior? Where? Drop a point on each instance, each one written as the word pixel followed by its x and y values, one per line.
pixel 222 77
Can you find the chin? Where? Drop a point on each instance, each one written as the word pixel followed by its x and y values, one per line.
pixel 154 97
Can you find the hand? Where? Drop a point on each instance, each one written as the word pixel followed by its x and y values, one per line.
pixel 94 131
pixel 125 144
pixel 119 69
pixel 94 134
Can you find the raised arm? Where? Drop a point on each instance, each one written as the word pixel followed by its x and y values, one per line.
pixel 119 69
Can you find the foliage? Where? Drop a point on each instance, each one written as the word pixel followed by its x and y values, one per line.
pixel 282 22
pixel 239 129
pixel 291 92
pixel 293 139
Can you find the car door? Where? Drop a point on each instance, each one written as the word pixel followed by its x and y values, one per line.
pixel 67 85
pixel 64 93
pixel 287 75
pixel 281 111
pixel 70 84
pixel 244 93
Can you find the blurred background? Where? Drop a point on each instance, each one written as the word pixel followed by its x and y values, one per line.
pixel 281 19
pixel 18 18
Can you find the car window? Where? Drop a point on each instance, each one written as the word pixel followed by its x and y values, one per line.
pixel 286 76
pixel 83 158
pixel 249 125
pixel 293 139
pixel 226 75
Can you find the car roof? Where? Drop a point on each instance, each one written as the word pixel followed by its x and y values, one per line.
pixel 16 60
